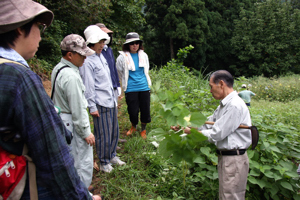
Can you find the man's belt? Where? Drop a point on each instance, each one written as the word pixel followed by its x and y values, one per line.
pixel 231 152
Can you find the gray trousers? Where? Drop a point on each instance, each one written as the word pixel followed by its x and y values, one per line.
pixel 81 151
pixel 233 173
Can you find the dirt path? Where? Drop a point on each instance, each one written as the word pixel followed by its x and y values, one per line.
pixel 47 86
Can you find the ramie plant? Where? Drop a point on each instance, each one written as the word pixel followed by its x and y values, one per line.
pixel 272 173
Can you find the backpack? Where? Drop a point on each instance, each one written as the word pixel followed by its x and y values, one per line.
pixel 14 163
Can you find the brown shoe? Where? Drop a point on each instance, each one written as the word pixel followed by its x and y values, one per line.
pixel 132 130
pixel 143 134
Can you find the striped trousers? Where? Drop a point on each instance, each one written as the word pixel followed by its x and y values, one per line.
pixel 106 131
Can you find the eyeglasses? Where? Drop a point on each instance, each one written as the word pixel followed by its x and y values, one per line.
pixel 132 43
pixel 42 27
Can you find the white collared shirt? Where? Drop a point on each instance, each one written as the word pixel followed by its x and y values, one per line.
pixel 225 133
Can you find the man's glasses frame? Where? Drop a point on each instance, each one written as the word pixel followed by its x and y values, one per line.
pixel 42 27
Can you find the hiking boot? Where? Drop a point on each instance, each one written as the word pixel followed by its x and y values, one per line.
pixel 116 161
pixel 132 130
pixel 106 168
pixel 143 134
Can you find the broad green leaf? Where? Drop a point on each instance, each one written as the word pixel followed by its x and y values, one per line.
pixel 181 122
pixel 252 180
pixel 269 174
pixel 196 136
pixel 254 172
pixel 266 144
pixel 163 148
pixel 274 148
pixel 158 132
pixel 250 154
pixel 287 165
pixel 205 150
pixel 200 160
pixel 262 183
pixel 287 185
pixel 176 111
pixel 197 119
pixel 169 105
pixel 292 174
pixel 171 120
pixel 215 175
pixel 254 164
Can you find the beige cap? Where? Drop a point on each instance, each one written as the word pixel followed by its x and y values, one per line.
pixel 103 28
pixel 76 43
pixel 16 13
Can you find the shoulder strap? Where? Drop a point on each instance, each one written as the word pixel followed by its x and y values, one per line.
pixel 4 60
pixel 55 80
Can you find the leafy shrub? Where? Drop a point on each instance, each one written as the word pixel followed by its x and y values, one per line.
pixel 281 89
pixel 272 164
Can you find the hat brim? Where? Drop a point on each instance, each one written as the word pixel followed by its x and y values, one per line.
pixel 86 51
pixel 106 30
pixel 21 13
pixel 132 40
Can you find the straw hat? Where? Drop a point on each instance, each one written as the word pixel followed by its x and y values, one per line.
pixel 93 34
pixel 16 13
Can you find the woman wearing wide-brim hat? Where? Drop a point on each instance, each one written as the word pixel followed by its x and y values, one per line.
pixel 133 68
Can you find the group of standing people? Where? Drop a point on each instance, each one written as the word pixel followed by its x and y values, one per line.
pixel 86 77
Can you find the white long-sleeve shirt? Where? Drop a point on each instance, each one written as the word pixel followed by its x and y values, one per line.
pixel 225 133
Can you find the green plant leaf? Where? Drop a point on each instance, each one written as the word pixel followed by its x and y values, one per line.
pixel 287 185
pixel 205 150
pixel 199 160
pixel 197 119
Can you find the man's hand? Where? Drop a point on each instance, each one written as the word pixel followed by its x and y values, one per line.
pixel 90 140
pixel 96 197
pixel 95 114
pixel 186 130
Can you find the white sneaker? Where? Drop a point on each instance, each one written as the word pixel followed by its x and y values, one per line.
pixel 116 161
pixel 106 168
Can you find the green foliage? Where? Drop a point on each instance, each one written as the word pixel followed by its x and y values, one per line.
pixel 266 41
pixel 172 25
pixel 281 89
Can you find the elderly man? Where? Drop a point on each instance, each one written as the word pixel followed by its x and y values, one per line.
pixel 231 142
pixel 68 94
pixel 25 106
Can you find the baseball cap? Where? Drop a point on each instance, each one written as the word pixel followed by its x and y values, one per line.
pixel 74 42
pixel 103 28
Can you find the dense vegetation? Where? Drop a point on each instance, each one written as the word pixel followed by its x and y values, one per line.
pixel 169 166
pixel 246 37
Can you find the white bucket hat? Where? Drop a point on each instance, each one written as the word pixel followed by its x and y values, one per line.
pixel 93 34
pixel 244 86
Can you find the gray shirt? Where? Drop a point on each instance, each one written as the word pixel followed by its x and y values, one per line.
pixel 96 77
pixel 225 133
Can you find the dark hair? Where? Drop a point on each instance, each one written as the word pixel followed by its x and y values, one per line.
pixel 90 45
pixel 223 75
pixel 125 47
pixel 63 52
pixel 9 38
